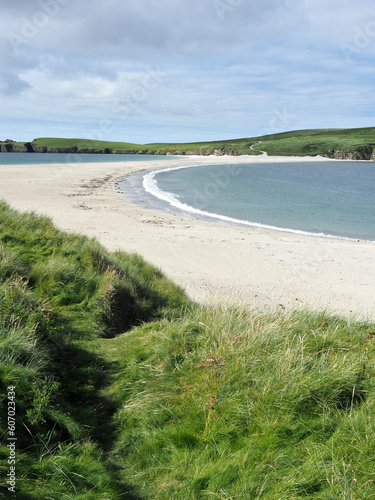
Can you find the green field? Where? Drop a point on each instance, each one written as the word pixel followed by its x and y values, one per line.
pixel 353 143
pixel 356 144
pixel 125 389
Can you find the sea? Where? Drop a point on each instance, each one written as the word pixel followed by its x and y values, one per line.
pixel 326 198
pixel 72 158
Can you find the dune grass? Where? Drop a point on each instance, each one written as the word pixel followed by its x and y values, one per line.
pixel 58 292
pixel 229 403
pixel 126 389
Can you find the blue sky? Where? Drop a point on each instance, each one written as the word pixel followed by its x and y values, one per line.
pixel 168 71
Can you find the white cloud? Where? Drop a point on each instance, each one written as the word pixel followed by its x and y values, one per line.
pixel 206 67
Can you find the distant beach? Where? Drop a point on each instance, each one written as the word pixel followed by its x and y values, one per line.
pixel 211 261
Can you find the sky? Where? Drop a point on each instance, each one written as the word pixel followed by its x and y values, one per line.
pixel 148 71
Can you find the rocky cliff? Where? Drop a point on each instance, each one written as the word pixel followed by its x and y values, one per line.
pixel 9 147
pixel 361 153
pixel 28 147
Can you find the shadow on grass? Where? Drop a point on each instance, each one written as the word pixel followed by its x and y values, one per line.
pixel 84 376
pixel 126 495
pixel 143 294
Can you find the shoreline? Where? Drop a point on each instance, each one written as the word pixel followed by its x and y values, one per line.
pixel 153 197
pixel 212 261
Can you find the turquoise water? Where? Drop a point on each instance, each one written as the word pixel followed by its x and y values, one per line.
pixel 326 198
pixel 61 158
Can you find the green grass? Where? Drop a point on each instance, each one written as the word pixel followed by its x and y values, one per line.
pixel 219 147
pixel 86 144
pixel 233 147
pixel 126 389
pixel 58 292
pixel 356 144
pixel 227 403
pixel 346 143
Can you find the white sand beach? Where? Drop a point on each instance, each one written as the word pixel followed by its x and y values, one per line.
pixel 212 261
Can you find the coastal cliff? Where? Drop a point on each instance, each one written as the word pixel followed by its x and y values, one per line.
pixel 10 147
pixel 28 147
pixel 364 153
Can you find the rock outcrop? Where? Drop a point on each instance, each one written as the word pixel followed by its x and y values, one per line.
pixel 10 147
pixel 361 153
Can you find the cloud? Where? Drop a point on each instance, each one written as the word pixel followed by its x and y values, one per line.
pixel 224 66
pixel 11 84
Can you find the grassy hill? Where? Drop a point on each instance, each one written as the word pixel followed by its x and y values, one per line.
pixel 127 390
pixel 356 144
